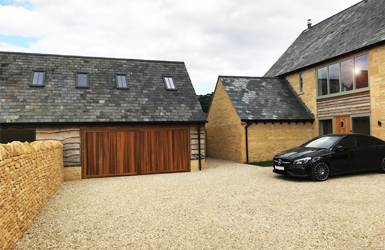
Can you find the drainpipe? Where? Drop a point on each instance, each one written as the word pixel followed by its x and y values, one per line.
pixel 247 143
pixel 199 147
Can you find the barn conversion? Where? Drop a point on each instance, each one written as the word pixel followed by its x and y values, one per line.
pixel 114 116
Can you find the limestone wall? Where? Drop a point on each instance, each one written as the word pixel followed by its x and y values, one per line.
pixel 30 173
pixel 267 140
pixel 224 128
pixel 377 90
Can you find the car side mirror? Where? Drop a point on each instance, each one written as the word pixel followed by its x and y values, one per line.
pixel 339 148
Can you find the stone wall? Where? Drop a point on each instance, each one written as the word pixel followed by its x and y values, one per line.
pixel 309 92
pixel 377 90
pixel 267 140
pixel 30 173
pixel 224 128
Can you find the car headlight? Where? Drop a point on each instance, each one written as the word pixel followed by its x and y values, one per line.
pixel 302 161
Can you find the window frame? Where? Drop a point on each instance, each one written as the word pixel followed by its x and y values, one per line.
pixel 354 90
pixel 32 76
pixel 301 82
pixel 76 80
pixel 117 81
pixel 369 115
pixel 323 119
pixel 165 83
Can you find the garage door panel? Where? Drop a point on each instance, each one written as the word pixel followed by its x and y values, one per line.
pixel 164 151
pixel 126 162
pixel 116 153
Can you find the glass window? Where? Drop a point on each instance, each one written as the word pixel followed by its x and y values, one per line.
pixel 361 125
pixel 121 81
pixel 82 80
pixel 300 82
pixel 21 135
pixel 322 75
pixel 334 78
pixel 38 78
pixel 325 127
pixel 169 82
pixel 347 75
pixel 361 71
pixel 348 142
pixel 367 141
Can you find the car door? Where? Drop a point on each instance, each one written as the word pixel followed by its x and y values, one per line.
pixel 370 153
pixel 343 158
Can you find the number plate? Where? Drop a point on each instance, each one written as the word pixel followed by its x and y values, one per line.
pixel 279 168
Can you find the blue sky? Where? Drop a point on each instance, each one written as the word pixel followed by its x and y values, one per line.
pixel 216 37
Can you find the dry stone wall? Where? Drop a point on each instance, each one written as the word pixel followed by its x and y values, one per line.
pixel 30 173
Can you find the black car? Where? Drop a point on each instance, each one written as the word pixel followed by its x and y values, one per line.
pixel 333 154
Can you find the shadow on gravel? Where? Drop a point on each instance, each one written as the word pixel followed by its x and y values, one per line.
pixel 343 176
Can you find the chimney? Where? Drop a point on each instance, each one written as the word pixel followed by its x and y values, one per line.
pixel 308 23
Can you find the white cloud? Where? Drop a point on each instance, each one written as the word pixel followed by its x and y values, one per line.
pixel 213 38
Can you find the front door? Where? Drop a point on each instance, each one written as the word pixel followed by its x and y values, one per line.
pixel 342 124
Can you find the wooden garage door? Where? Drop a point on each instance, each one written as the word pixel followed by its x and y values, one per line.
pixel 116 153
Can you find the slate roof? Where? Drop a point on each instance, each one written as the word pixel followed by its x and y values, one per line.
pixel 59 101
pixel 355 28
pixel 262 98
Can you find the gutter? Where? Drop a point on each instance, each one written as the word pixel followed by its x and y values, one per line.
pixel 247 142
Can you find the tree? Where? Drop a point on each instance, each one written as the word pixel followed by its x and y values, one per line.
pixel 205 101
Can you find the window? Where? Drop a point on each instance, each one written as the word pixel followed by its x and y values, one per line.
pixel 121 81
pixel 344 76
pixel 21 135
pixel 325 127
pixel 169 82
pixel 300 82
pixel 367 141
pixel 334 78
pixel 361 125
pixel 82 80
pixel 348 142
pixel 38 78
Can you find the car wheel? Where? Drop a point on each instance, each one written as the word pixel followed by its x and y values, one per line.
pixel 382 169
pixel 320 171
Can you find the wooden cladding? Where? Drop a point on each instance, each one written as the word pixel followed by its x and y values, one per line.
pixel 342 124
pixel 347 104
pixel 69 136
pixel 115 153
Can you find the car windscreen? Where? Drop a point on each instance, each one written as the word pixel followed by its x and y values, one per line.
pixel 322 142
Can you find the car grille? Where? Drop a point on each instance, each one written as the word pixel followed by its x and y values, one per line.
pixel 283 162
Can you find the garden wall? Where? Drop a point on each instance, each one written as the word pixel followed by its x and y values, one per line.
pixel 30 173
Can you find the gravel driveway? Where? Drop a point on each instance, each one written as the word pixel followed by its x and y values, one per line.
pixel 228 206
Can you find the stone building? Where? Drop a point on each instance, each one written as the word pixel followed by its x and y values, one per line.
pixel 336 68
pixel 114 116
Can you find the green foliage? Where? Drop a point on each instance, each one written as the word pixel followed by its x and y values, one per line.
pixel 262 163
pixel 205 101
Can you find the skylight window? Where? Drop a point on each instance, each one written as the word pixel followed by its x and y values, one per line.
pixel 121 81
pixel 82 80
pixel 169 82
pixel 38 78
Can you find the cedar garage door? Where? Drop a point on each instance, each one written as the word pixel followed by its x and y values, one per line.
pixel 150 151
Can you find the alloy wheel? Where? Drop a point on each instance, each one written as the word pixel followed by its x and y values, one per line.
pixel 321 171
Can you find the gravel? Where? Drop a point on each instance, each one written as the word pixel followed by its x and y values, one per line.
pixel 227 206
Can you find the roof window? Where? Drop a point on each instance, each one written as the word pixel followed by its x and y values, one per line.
pixel 121 81
pixel 38 78
pixel 169 83
pixel 82 80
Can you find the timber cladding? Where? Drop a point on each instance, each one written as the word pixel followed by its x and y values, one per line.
pixel 108 152
pixel 347 104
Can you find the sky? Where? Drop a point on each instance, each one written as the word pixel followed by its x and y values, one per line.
pixel 212 37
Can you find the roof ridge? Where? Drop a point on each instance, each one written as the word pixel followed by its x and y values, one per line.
pixel 354 5
pixel 249 77
pixel 92 57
